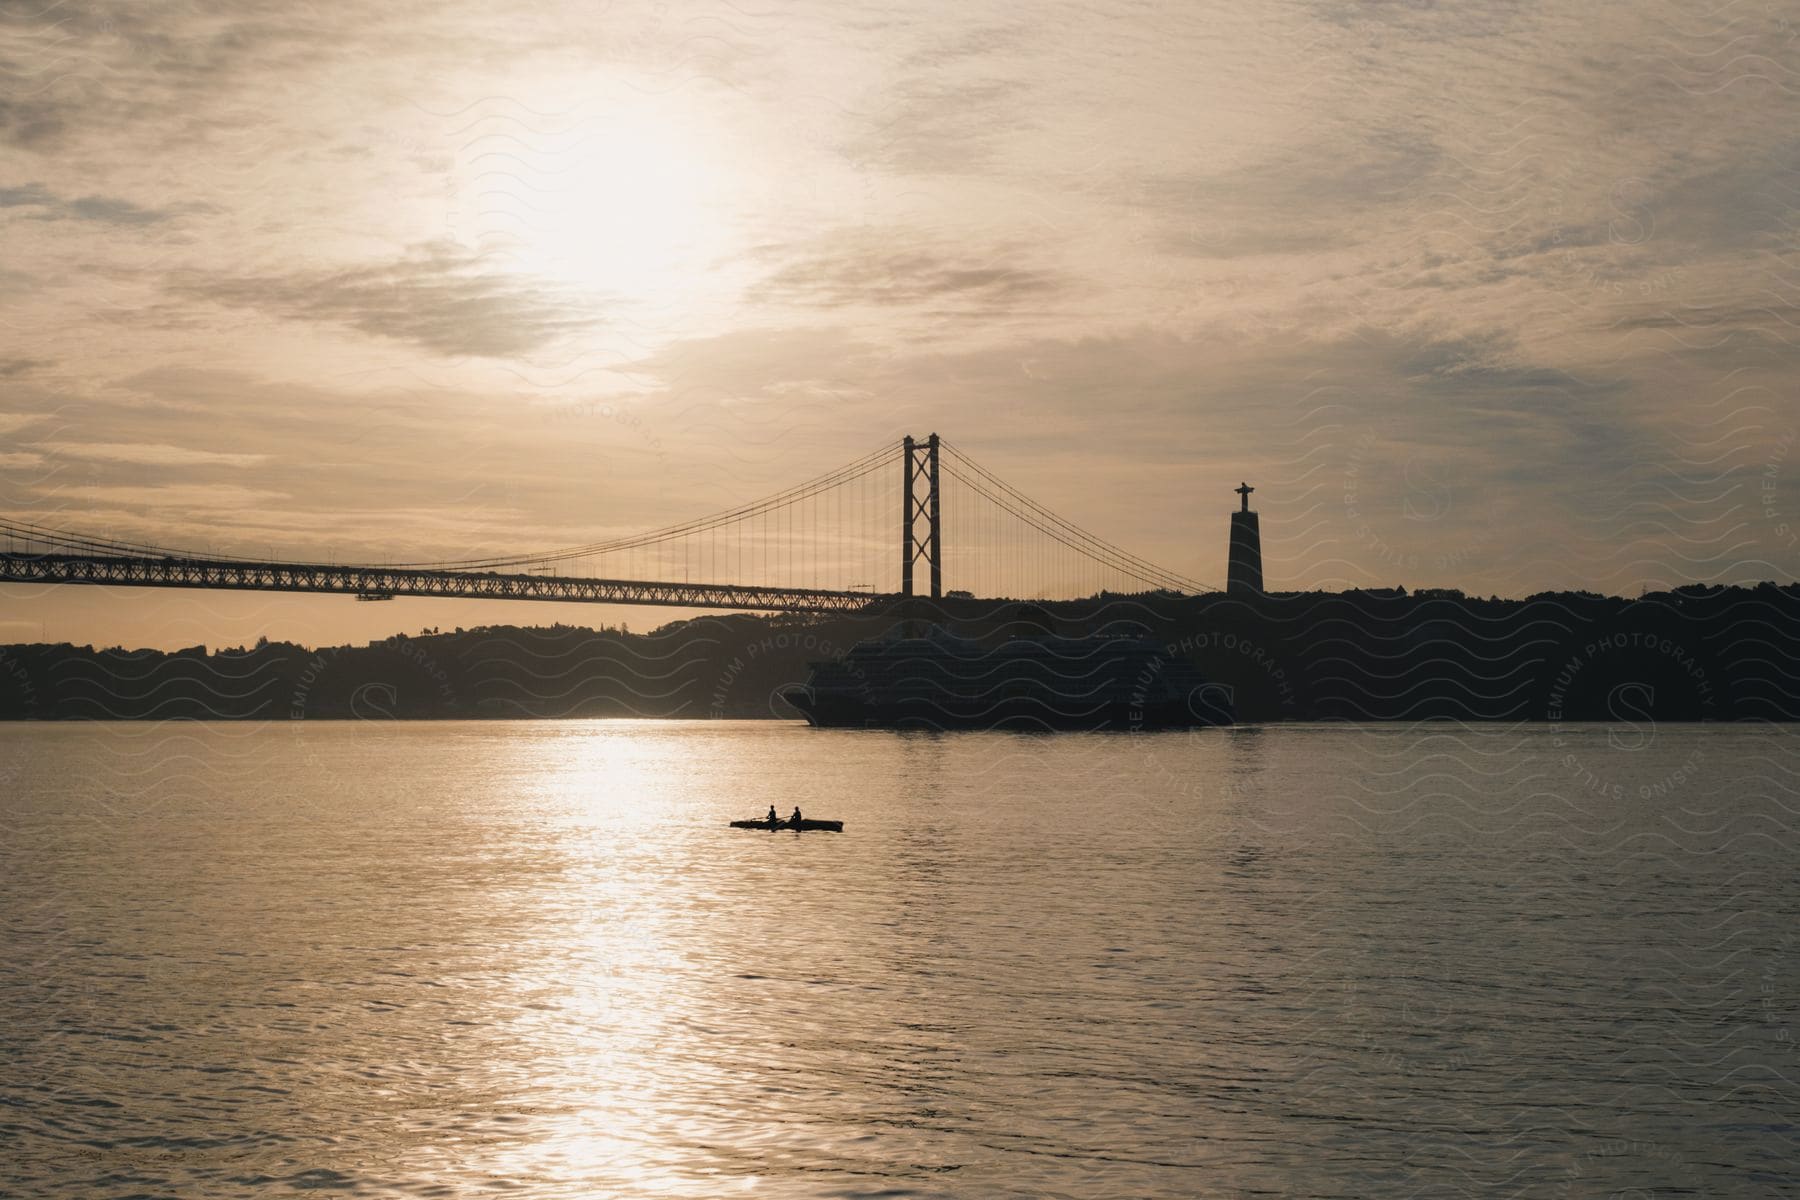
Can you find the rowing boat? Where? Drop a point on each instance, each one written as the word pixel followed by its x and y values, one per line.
pixel 807 825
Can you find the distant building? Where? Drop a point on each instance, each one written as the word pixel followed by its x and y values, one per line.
pixel 1244 572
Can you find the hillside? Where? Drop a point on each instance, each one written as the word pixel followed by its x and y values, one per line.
pixel 1693 654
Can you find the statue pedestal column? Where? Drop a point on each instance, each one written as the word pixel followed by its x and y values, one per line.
pixel 1244 569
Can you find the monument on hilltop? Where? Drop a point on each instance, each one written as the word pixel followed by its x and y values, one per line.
pixel 1244 571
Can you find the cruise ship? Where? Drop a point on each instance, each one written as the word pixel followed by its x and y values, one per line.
pixel 1119 679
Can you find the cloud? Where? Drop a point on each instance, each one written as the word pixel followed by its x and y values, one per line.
pixel 438 296
pixel 15 421
pixel 867 269
pixel 31 123
pixel 1466 365
pixel 150 454
pixel 103 66
pixel 1296 200
pixel 208 497
pixel 13 368
pixel 1743 206
pixel 1775 316
pixel 45 205
pixel 932 127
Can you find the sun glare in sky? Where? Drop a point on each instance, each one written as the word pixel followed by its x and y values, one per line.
pixel 624 199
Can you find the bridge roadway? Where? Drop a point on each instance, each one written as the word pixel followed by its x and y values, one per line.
pixel 225 574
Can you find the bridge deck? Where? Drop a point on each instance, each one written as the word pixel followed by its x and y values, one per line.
pixel 130 571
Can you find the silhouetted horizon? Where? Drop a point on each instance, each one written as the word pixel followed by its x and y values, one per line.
pixel 1361 655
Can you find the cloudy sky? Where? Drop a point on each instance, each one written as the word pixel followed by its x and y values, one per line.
pixel 1499 296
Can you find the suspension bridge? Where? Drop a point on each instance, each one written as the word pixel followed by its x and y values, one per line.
pixel 826 545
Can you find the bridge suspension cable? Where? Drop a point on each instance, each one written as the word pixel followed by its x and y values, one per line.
pixel 1085 559
pixel 849 473
pixel 58 540
pixel 833 533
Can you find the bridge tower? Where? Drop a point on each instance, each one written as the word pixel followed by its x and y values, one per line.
pixel 1244 570
pixel 920 462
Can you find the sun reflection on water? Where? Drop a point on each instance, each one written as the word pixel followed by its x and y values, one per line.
pixel 617 1099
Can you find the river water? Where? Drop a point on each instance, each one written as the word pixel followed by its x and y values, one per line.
pixel 450 959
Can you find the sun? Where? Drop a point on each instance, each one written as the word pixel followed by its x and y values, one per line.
pixel 626 199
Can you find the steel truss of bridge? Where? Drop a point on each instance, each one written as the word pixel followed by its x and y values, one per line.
pixel 383 582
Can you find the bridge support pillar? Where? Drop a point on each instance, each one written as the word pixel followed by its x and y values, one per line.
pixel 919 461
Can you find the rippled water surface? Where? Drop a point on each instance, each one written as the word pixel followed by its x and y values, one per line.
pixel 451 959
